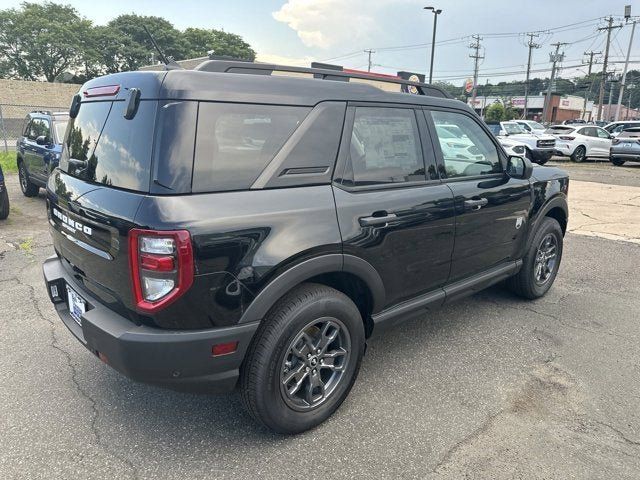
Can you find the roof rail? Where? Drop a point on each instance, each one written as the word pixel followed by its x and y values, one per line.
pixel 329 72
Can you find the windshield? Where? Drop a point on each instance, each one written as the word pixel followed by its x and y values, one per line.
pixel 101 146
pixel 60 128
pixel 495 128
pixel 513 128
pixel 535 125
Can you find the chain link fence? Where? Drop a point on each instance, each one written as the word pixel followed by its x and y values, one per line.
pixel 12 121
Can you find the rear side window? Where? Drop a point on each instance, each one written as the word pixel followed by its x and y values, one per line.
pixel 235 142
pixel 101 146
pixel 385 147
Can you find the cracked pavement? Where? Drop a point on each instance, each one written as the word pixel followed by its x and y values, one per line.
pixel 489 387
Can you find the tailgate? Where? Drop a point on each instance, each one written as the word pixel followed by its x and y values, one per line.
pixel 89 226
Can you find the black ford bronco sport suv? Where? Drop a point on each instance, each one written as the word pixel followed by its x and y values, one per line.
pixel 235 226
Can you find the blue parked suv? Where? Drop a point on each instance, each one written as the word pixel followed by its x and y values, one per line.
pixel 39 148
pixel 4 198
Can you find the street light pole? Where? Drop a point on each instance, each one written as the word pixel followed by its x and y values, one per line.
pixel 436 12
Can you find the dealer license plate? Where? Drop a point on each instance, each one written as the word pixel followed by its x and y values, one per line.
pixel 77 305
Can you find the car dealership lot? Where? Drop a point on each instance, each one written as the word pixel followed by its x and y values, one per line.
pixel 490 387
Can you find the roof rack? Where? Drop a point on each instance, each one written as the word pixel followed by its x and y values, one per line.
pixel 326 72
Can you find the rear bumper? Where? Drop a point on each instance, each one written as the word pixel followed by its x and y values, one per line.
pixel 176 359
pixel 625 155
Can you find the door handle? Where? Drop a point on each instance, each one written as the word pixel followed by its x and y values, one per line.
pixel 369 221
pixel 475 204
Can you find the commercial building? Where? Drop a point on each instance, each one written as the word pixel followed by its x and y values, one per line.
pixel 561 107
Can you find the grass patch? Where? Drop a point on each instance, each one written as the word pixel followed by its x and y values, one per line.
pixel 8 162
pixel 26 245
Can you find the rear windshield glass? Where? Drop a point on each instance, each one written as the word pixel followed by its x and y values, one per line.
pixel 631 132
pixel 103 147
pixel 558 130
pixel 235 142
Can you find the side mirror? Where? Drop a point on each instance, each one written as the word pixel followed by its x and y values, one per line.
pixel 75 105
pixel 42 140
pixel 132 103
pixel 503 133
pixel 519 167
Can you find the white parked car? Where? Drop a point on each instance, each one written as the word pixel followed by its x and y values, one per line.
pixel 614 128
pixel 531 126
pixel 580 142
pixel 455 144
pixel 513 147
pixel 539 147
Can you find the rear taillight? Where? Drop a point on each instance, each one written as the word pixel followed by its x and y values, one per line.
pixel 564 137
pixel 161 267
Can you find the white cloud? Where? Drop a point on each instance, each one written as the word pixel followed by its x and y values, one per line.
pixel 326 23
pixel 284 60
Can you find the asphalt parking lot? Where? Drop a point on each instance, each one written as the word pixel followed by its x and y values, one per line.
pixel 491 387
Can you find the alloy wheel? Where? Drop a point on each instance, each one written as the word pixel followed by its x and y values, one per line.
pixel 314 364
pixel 23 178
pixel 546 259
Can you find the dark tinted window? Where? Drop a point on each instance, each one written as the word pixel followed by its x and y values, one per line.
pixel 385 147
pixel 175 141
pixel 39 127
pixel 236 141
pixel 310 154
pixel 102 146
pixel 472 153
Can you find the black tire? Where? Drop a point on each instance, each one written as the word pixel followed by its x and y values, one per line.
pixel 266 364
pixel 4 203
pixel 28 188
pixel 525 283
pixel 579 154
pixel 617 162
pixel 542 161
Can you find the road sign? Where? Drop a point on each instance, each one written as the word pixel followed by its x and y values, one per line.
pixel 468 85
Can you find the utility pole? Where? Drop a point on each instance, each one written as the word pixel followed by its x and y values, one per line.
pixel 476 57
pixel 369 51
pixel 531 46
pixel 586 92
pixel 627 15
pixel 608 28
pixel 554 57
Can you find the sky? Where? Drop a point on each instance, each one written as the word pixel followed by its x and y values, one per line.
pixel 338 31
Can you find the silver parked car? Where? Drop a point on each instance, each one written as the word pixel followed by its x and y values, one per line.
pixel 626 147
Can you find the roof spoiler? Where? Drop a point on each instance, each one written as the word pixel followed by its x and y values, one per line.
pixel 324 72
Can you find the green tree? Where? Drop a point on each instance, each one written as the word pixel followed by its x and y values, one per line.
pixel 41 41
pixel 134 49
pixel 494 112
pixel 199 41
